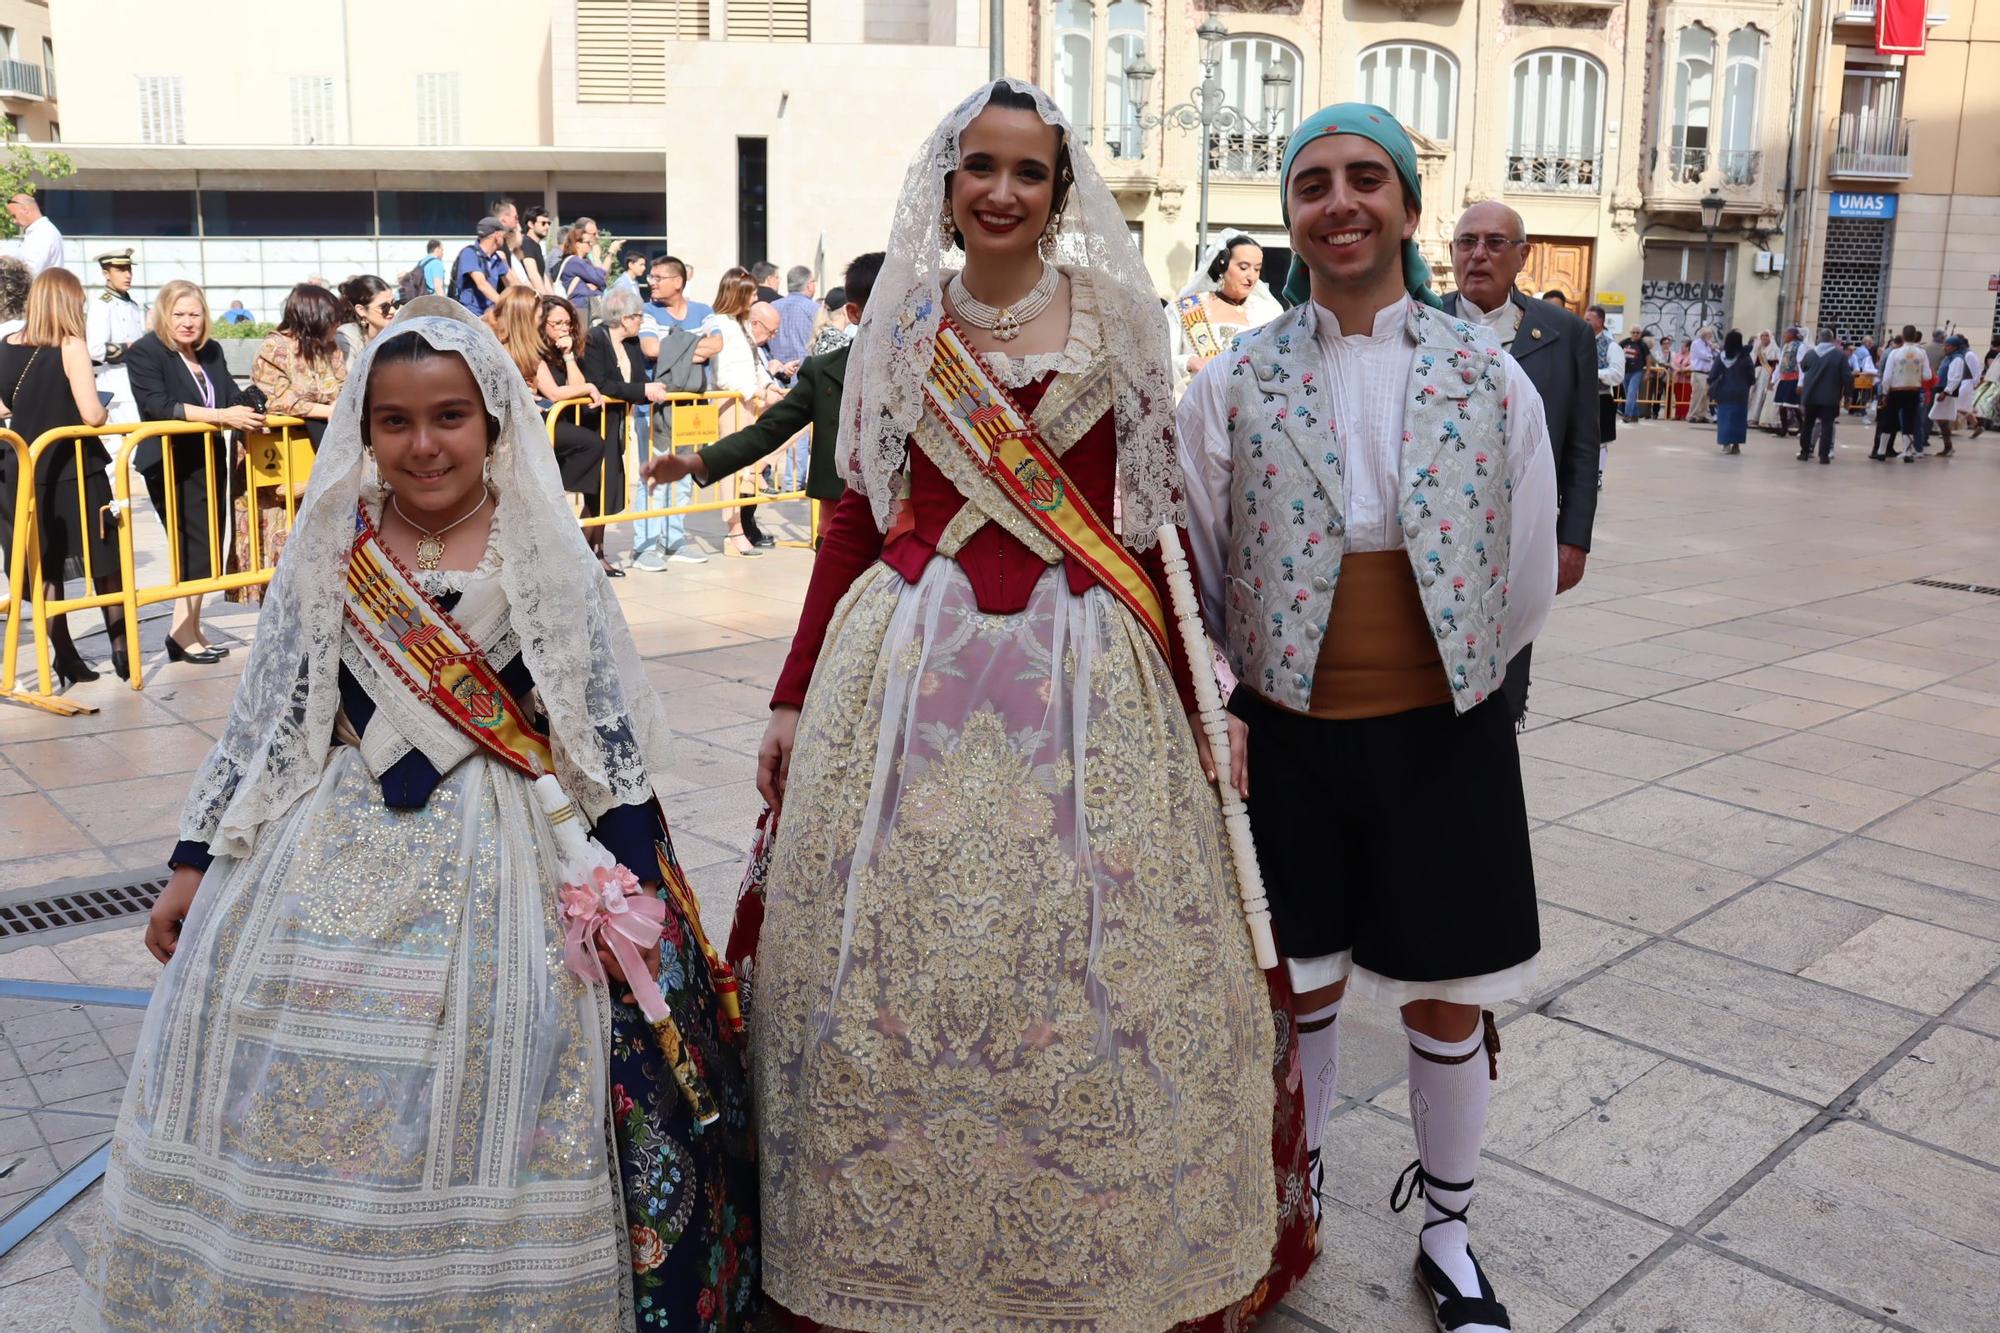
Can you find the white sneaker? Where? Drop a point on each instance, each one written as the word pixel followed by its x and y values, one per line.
pixel 688 554
pixel 650 560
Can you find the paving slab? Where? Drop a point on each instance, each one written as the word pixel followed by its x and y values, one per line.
pixel 1890 1224
pixel 1781 1032
pixel 1776 789
pixel 1653 890
pixel 1707 830
pixel 1694 1289
pixel 1959 895
pixel 1944 1093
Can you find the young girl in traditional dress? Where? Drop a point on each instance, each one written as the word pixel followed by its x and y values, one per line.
pixel 1012 1052
pixel 372 1090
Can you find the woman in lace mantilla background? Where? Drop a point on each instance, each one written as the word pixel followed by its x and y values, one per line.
pixel 1013 1057
pixel 369 1092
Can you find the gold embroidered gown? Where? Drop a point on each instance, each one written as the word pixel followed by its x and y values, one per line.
pixel 1012 1054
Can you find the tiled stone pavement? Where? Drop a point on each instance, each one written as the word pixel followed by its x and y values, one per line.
pixel 1756 1088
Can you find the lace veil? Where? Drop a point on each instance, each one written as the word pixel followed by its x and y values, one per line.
pixel 883 398
pixel 608 728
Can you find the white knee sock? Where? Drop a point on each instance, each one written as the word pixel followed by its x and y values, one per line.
pixel 1319 1058
pixel 1448 1104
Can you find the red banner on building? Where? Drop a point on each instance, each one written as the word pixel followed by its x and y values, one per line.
pixel 1899 27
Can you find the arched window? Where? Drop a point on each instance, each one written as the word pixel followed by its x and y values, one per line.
pixel 1070 79
pixel 1248 63
pixel 1694 103
pixel 1558 123
pixel 1419 84
pixel 1125 21
pixel 1743 64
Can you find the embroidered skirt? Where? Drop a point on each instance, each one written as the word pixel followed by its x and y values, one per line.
pixel 1012 1054
pixel 1396 848
pixel 369 1095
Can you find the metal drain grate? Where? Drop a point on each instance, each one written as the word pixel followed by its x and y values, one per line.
pixel 81 907
pixel 1982 589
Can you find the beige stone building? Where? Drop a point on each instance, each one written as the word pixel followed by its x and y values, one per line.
pixel 28 72
pixel 267 143
pixel 1901 223
pixel 1604 122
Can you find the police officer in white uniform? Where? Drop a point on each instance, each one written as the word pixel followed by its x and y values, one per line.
pixel 114 323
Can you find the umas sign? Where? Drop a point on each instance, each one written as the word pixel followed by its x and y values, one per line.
pixel 1861 206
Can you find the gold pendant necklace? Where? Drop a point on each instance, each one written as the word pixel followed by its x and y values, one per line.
pixel 430 545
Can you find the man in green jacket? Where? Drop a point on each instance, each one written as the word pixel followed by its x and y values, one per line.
pixel 814 401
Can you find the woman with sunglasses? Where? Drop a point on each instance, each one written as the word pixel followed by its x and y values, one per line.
pixel 371 303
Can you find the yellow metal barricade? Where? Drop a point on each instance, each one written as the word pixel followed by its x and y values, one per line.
pixel 279 456
pixel 692 420
pixel 24 578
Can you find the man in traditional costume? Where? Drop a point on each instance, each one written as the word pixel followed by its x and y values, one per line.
pixel 1372 509
pixel 1013 1054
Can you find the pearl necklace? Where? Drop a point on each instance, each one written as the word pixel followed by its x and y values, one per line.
pixel 430 546
pixel 1006 322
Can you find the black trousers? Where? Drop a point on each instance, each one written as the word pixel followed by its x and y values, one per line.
pixel 1820 417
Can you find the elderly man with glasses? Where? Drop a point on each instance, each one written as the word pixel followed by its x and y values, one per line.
pixel 1559 353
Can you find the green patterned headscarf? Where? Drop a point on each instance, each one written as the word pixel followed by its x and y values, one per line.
pixel 1377 125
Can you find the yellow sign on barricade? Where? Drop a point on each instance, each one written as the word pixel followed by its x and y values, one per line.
pixel 278 459
pixel 695 424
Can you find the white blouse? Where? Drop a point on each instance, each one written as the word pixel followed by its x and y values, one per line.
pixel 739 366
pixel 1366 375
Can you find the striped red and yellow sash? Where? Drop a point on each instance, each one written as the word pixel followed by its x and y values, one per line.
pixel 1200 333
pixel 430 654
pixel 984 420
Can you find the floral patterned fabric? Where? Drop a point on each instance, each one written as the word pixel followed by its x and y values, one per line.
pixel 690 1191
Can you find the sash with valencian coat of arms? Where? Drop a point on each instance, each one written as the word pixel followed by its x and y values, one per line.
pixel 983 419
pixel 438 662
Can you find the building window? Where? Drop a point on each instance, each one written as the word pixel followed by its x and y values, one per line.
pixel 1245 63
pixel 49 65
pixel 769 20
pixel 1694 101
pixel 312 109
pixel 437 109
pixel 633 215
pixel 752 222
pixel 1071 71
pixel 288 212
pixel 621 46
pixel 1558 117
pixel 121 212
pixel 444 214
pixel 160 109
pixel 1743 64
pixel 1125 21
pixel 1418 83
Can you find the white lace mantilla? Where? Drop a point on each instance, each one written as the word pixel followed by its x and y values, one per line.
pixel 604 719
pixel 884 396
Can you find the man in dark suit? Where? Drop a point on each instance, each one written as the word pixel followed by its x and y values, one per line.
pixel 1559 353
pixel 814 401
pixel 1824 383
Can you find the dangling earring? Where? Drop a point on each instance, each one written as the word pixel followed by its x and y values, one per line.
pixel 947 232
pixel 1047 244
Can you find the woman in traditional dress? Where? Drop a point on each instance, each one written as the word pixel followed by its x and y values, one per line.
pixel 372 1090
pixel 1763 361
pixel 1227 296
pixel 1012 1053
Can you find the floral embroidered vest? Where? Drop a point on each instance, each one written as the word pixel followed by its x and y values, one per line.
pixel 1286 520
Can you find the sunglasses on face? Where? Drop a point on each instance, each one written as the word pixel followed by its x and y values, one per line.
pixel 387 307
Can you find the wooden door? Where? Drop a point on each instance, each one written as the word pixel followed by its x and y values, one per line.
pixel 1563 265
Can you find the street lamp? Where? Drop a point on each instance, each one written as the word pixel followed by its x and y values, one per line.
pixel 1711 217
pixel 1205 110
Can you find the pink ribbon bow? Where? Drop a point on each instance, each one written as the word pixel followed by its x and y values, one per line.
pixel 614 911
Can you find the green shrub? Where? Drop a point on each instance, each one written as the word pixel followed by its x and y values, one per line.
pixel 252 329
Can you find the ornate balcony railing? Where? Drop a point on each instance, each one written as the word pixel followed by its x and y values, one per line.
pixel 1554 171
pixel 1740 166
pixel 1872 147
pixel 1686 166
pixel 1246 155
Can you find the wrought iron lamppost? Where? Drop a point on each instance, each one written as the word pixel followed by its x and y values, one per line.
pixel 1712 205
pixel 1206 111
